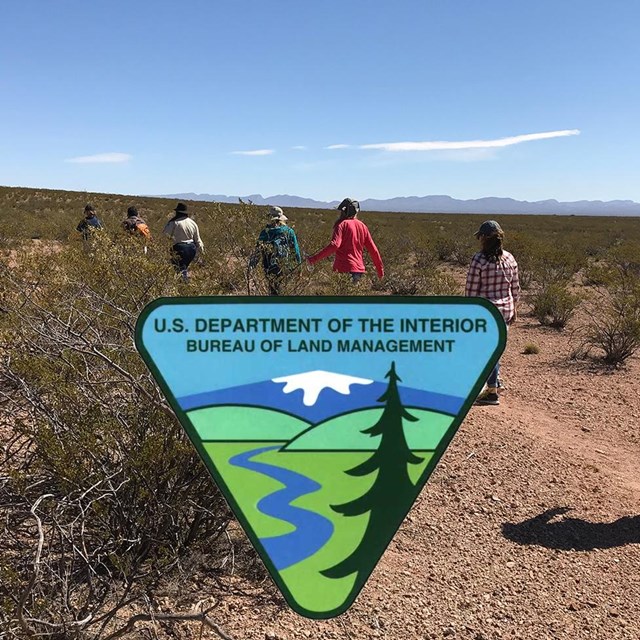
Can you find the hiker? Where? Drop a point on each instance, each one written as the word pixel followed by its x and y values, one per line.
pixel 136 226
pixel 493 274
pixel 90 223
pixel 278 247
pixel 350 237
pixel 186 240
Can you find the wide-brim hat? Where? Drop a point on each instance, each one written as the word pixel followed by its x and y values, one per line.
pixel 488 228
pixel 181 207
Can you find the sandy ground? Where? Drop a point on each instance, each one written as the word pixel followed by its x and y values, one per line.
pixel 529 528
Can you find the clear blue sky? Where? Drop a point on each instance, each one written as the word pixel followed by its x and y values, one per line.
pixel 160 94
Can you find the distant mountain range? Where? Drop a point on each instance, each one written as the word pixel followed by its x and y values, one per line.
pixel 440 204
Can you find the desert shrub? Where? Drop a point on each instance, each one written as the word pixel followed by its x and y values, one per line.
pixel 614 325
pixel 455 249
pixel 416 282
pixel 625 258
pixel 531 349
pixel 556 265
pixel 554 305
pixel 597 274
pixel 617 266
pixel 103 496
pixel 440 283
pixel 525 250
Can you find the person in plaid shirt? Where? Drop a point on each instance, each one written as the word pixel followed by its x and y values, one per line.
pixel 493 274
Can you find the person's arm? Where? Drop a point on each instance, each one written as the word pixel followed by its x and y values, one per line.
pixel 372 250
pixel 472 287
pixel 81 226
pixel 331 248
pixel 168 229
pixel 196 237
pixel 515 282
pixel 515 290
pixel 294 243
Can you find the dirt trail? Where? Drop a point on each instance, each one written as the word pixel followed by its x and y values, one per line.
pixel 617 460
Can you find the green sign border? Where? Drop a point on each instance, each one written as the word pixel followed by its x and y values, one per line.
pixel 312 300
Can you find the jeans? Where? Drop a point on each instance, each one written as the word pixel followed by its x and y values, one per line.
pixel 492 380
pixel 184 252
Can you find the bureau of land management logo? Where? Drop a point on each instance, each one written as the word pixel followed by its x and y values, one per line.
pixel 320 419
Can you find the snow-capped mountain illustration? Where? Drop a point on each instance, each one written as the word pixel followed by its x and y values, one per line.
pixel 313 382
pixel 316 398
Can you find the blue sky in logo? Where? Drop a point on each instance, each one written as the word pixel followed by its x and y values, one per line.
pixel 193 373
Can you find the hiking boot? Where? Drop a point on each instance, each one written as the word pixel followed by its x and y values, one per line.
pixel 501 387
pixel 488 397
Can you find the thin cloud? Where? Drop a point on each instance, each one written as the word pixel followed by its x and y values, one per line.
pixel 299 147
pixel 469 144
pixel 338 146
pixel 102 158
pixel 254 152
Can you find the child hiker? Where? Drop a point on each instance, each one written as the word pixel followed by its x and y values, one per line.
pixel 493 274
pixel 278 246
pixel 350 236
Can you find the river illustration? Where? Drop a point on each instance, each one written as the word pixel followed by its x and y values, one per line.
pixel 312 530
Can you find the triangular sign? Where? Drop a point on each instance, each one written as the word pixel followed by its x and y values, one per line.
pixel 320 419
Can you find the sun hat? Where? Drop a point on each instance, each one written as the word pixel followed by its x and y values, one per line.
pixel 276 213
pixel 349 207
pixel 488 228
pixel 181 207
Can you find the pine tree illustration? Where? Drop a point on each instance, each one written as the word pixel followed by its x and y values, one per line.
pixel 392 491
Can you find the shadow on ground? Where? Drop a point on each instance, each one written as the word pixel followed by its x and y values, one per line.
pixel 573 534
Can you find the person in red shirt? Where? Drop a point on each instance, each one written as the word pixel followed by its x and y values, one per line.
pixel 350 237
pixel 493 274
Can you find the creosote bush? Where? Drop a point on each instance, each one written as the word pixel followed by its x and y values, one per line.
pixel 554 305
pixel 531 349
pixel 614 326
pixel 101 494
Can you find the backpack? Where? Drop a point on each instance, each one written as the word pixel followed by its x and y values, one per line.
pixel 280 246
pixel 275 250
pixel 143 229
pixel 138 225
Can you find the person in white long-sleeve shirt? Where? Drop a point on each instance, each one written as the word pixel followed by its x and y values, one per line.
pixel 186 240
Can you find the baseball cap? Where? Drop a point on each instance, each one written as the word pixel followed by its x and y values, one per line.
pixel 488 228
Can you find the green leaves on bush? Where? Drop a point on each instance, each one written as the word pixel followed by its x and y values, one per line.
pixel 554 305
pixel 614 327
pixel 118 492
